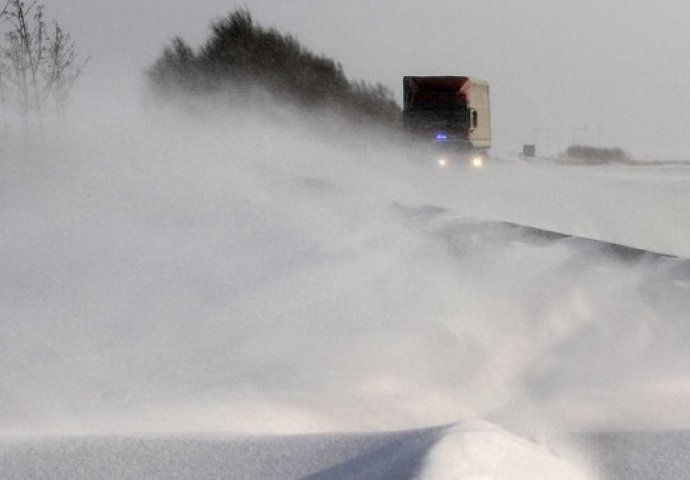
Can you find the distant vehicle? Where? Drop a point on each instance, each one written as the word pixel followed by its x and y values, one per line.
pixel 452 112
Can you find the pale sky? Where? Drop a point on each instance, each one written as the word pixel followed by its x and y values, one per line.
pixel 615 71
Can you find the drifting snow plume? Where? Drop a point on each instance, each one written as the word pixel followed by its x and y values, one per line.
pixel 259 272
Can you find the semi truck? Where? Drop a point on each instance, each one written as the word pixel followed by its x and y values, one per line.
pixel 451 112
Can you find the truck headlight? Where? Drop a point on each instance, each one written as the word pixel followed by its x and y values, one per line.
pixel 442 162
pixel 478 161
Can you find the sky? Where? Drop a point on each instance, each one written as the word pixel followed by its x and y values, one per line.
pixel 611 73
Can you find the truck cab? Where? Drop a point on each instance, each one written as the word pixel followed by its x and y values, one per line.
pixel 450 111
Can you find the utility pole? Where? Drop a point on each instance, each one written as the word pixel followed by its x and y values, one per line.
pixel 547 131
pixel 585 136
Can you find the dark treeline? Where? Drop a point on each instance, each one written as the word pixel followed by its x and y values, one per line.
pixel 241 56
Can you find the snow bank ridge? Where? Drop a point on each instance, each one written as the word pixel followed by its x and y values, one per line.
pixel 481 451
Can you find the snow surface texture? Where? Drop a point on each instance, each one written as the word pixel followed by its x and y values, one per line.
pixel 468 451
pixel 471 451
pixel 372 456
pixel 240 274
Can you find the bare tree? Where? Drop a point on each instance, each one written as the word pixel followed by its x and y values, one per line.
pixel 62 67
pixel 3 79
pixel 35 63
pixel 25 52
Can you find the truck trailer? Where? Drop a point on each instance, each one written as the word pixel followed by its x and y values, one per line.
pixel 452 112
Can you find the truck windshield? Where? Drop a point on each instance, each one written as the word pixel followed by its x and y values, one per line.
pixel 436 98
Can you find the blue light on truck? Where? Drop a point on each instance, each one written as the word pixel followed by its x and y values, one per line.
pixel 441 137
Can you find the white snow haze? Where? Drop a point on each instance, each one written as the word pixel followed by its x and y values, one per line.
pixel 259 270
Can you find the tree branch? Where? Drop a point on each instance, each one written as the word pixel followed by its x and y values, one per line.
pixel 5 8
